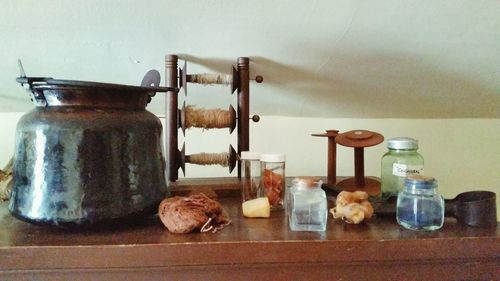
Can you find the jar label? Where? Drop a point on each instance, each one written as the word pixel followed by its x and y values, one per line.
pixel 403 170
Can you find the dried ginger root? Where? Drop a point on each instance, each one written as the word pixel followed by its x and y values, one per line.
pixel 6 181
pixel 272 183
pixel 352 207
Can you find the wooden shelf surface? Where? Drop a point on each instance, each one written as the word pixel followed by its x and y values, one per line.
pixel 377 250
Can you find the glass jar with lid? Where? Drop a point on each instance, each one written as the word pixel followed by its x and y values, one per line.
pixel 250 163
pixel 273 179
pixel 307 208
pixel 402 160
pixel 419 205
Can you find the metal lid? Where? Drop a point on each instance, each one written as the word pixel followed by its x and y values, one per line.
pixel 48 83
pixel 47 91
pixel 420 182
pixel 402 143
pixel 307 182
pixel 272 157
pixel 248 155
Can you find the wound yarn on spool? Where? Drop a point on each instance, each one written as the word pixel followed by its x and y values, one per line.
pixel 207 118
pixel 208 79
pixel 210 159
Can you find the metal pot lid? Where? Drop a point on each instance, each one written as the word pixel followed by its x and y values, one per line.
pixel 48 83
pixel 150 83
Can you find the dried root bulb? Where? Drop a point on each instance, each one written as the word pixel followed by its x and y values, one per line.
pixel 273 186
pixel 196 212
pixel 352 207
pixel 6 181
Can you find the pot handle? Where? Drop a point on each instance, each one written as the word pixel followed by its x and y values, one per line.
pixel 151 79
pixel 450 207
pixel 37 97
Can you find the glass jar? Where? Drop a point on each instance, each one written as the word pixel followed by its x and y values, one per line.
pixel 419 205
pixel 273 179
pixel 308 209
pixel 250 163
pixel 402 160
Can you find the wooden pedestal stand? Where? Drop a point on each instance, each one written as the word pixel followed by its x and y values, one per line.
pixel 359 139
pixel 332 157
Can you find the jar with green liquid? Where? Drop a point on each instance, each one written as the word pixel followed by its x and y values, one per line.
pixel 402 160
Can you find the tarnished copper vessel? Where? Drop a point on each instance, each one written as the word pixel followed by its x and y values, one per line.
pixel 89 153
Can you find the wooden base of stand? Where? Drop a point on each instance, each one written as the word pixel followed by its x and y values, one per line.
pixel 372 186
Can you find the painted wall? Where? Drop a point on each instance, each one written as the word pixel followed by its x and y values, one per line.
pixel 327 58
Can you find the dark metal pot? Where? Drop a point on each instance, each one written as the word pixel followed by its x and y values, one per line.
pixel 89 153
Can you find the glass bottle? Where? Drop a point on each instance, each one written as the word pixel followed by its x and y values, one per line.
pixel 273 179
pixel 400 161
pixel 308 209
pixel 419 205
pixel 250 163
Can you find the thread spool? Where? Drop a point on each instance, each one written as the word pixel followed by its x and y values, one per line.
pixel 210 79
pixel 206 79
pixel 190 116
pixel 224 159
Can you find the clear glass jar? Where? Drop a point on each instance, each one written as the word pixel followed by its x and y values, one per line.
pixel 250 163
pixel 419 205
pixel 273 179
pixel 308 209
pixel 402 160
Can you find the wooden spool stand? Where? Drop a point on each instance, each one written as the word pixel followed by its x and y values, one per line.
pixel 332 157
pixel 178 77
pixel 358 139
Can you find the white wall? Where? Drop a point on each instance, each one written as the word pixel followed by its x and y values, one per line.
pixel 463 154
pixel 326 58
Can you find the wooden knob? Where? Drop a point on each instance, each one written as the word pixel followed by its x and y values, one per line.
pixel 258 79
pixel 255 118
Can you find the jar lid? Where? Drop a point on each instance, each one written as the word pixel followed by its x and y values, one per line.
pixel 272 157
pixel 402 143
pixel 249 155
pixel 307 182
pixel 420 182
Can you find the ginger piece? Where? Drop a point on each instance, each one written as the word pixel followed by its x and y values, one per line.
pixel 6 180
pixel 346 197
pixel 360 196
pixel 367 208
pixel 352 207
pixel 351 213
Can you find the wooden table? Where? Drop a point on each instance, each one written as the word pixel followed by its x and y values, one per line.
pixel 249 249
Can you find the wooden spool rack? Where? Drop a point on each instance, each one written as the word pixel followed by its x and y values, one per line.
pixel 174 117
